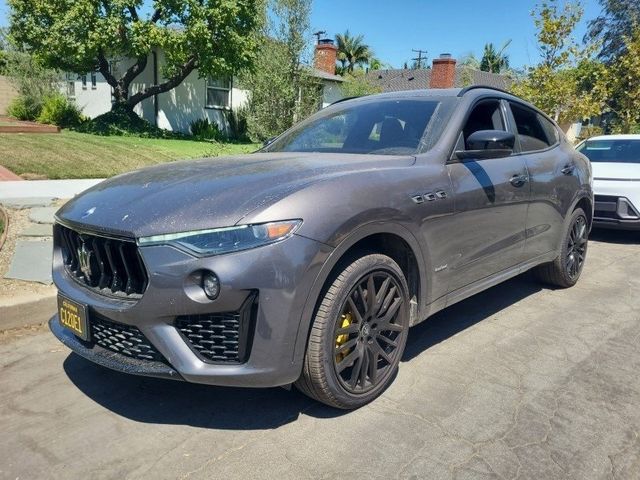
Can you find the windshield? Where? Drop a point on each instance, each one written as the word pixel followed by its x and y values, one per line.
pixel 380 126
pixel 618 151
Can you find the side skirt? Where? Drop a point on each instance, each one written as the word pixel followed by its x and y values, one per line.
pixel 484 284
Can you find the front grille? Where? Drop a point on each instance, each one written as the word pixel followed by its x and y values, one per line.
pixel 106 265
pixel 220 337
pixel 124 339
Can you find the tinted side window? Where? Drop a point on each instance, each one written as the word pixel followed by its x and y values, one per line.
pixel 530 131
pixel 550 129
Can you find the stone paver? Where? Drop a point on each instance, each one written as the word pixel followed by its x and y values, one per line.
pixel 37 230
pixel 43 214
pixel 517 382
pixel 27 202
pixel 32 261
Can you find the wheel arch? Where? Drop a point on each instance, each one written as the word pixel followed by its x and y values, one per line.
pixel 586 203
pixel 392 240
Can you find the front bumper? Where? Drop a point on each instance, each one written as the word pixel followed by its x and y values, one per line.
pixel 278 276
pixel 617 204
pixel 615 212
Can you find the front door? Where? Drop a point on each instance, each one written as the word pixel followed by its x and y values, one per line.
pixel 491 200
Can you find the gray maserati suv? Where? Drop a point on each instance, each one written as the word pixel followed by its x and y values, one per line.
pixel 307 262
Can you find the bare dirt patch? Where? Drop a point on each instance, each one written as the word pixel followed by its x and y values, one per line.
pixel 18 220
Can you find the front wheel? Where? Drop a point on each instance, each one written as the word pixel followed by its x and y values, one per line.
pixel 565 270
pixel 358 334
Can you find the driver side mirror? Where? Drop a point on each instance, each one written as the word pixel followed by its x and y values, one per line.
pixel 485 144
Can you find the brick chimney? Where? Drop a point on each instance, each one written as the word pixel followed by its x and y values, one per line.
pixel 443 74
pixel 325 56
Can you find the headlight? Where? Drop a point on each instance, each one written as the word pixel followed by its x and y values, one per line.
pixel 225 240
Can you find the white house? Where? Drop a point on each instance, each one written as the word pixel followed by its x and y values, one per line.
pixel 195 98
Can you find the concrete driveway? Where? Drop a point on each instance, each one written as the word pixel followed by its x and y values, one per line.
pixel 517 382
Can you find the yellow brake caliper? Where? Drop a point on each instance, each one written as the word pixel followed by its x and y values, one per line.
pixel 342 339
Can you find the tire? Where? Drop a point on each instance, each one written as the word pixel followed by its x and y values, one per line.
pixel 346 339
pixel 565 270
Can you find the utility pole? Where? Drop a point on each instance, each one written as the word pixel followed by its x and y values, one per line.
pixel 420 57
pixel 319 34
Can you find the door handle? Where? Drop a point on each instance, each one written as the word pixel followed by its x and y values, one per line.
pixel 519 180
pixel 568 169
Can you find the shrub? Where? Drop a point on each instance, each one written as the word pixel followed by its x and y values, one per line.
pixel 125 122
pixel 59 110
pixel 238 126
pixel 202 129
pixel 24 108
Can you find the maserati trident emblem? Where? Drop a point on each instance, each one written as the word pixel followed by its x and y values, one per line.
pixel 84 259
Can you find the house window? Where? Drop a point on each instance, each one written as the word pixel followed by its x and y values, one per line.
pixel 71 85
pixel 94 81
pixel 83 78
pixel 218 93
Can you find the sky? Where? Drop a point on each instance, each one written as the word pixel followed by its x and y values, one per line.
pixel 394 27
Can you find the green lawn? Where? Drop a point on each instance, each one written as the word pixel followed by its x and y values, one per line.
pixel 80 155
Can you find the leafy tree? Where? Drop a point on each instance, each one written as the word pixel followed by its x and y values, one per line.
pixel 377 64
pixel 470 61
pixel 282 90
pixel 616 21
pixel 4 47
pixel 567 83
pixel 493 60
pixel 624 84
pixel 352 51
pixel 213 36
pixel 356 84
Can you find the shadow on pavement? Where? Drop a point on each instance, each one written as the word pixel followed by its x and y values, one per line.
pixel 467 313
pixel 151 400
pixel 622 237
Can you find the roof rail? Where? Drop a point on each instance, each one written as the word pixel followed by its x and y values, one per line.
pixel 345 99
pixel 475 87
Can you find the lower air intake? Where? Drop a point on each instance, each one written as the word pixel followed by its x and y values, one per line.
pixel 220 337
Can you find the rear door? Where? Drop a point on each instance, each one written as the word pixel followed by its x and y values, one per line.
pixel 491 197
pixel 551 176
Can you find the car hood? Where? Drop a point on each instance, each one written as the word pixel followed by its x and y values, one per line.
pixel 206 193
pixel 616 171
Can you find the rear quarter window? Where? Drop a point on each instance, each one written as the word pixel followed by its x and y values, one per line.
pixel 532 132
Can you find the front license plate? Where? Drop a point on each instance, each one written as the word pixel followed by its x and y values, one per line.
pixel 73 315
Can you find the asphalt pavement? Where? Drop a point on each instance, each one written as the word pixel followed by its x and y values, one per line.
pixel 517 382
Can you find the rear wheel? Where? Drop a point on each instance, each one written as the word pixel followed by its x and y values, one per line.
pixel 358 335
pixel 565 270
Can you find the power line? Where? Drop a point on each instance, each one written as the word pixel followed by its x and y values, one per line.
pixel 420 57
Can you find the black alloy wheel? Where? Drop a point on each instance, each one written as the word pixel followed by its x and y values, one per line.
pixel 367 331
pixel 358 334
pixel 577 247
pixel 566 269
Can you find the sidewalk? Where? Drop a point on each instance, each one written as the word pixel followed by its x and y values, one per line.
pixel 21 189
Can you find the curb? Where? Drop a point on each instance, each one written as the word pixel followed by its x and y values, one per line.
pixel 32 311
pixel 5 218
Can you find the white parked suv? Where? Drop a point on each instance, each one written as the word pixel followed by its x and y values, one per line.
pixel 616 179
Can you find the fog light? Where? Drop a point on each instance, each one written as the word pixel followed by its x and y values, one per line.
pixel 211 285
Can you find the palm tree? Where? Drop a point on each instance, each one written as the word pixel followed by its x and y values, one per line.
pixel 494 61
pixel 352 51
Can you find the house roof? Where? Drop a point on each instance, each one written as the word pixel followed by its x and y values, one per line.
pixel 325 76
pixel 406 79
